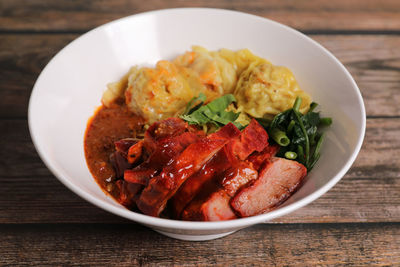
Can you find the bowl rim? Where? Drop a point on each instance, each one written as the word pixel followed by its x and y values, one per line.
pixel 195 225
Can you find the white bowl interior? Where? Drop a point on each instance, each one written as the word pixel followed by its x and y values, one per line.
pixel 70 87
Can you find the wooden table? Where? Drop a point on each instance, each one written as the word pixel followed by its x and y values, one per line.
pixel 356 223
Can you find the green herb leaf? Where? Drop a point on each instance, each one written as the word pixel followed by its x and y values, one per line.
pixel 213 113
pixel 191 105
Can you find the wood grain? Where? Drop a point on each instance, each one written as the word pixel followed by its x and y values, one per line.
pixel 262 245
pixel 47 15
pixel 373 60
pixel 22 58
pixel 356 223
pixel 370 192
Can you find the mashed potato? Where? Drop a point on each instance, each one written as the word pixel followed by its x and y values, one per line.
pixel 261 89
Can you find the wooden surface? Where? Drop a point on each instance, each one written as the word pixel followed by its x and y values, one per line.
pixel 355 223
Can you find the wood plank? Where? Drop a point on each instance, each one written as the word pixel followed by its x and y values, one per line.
pixel 370 192
pixel 47 15
pixel 262 245
pixel 374 62
pixel 22 58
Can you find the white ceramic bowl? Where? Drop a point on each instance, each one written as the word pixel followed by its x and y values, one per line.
pixel 70 87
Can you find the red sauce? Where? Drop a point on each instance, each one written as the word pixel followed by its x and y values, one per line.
pixel 105 127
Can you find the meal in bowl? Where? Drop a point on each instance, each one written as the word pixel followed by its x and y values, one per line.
pixel 208 136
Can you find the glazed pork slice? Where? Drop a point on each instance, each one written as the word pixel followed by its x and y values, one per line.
pixel 167 149
pixel 216 165
pixel 161 188
pixel 118 158
pixel 212 203
pixel 127 193
pixel 217 207
pixel 258 158
pixel 277 180
pixel 135 152
pixel 124 144
pixel 163 129
pixel 238 176
pixel 253 138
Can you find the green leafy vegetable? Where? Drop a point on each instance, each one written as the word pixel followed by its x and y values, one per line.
pixel 301 132
pixel 191 105
pixel 213 113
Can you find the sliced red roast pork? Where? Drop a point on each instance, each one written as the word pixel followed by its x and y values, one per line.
pixel 277 180
pixel 212 203
pixel 161 188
